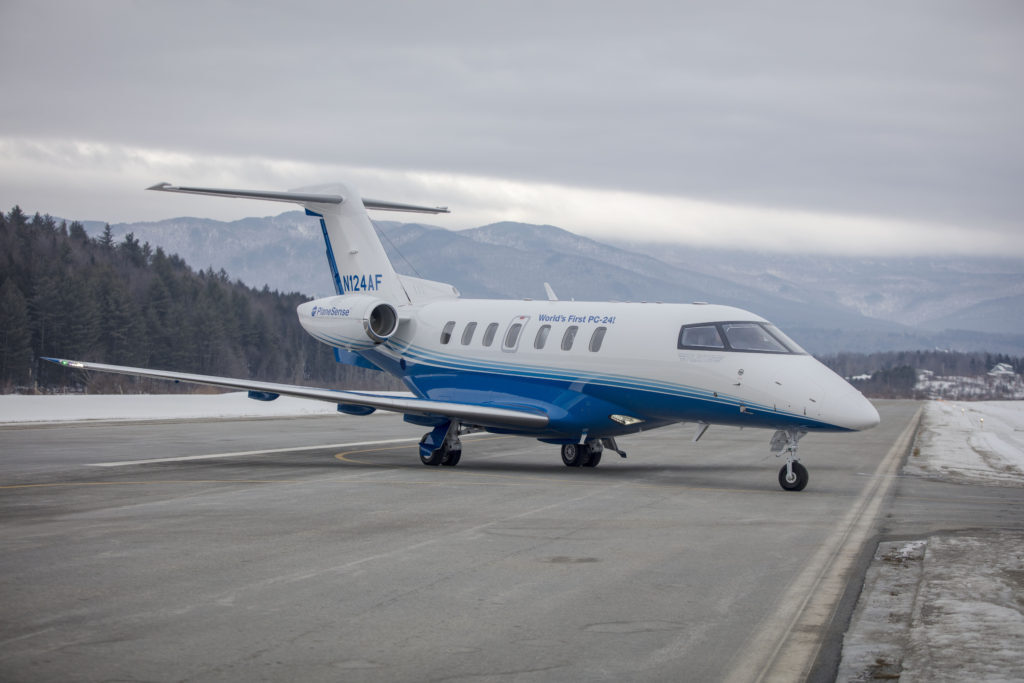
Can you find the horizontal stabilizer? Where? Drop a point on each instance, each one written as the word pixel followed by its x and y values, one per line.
pixel 294 197
pixel 302 198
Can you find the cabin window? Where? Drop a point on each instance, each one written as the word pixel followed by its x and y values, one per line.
pixel 700 337
pixel 569 337
pixel 467 334
pixel 446 333
pixel 542 337
pixel 752 337
pixel 597 338
pixel 512 336
pixel 489 333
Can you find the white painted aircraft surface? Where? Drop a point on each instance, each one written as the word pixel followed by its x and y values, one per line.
pixel 571 373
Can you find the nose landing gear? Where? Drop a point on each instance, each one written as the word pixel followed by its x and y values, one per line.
pixel 793 476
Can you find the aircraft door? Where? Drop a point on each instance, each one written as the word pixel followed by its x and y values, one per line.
pixel 514 332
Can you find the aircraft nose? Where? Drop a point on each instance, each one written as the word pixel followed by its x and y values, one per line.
pixel 859 413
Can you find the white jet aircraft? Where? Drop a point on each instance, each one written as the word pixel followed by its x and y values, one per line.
pixel 571 373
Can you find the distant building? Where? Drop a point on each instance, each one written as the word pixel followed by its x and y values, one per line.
pixel 1004 370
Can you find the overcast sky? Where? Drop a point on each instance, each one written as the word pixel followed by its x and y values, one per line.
pixel 873 127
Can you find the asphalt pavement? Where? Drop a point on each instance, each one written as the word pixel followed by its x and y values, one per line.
pixel 321 549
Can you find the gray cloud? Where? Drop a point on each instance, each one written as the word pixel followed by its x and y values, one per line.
pixel 913 111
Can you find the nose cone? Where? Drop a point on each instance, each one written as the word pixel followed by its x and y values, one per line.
pixel 846 407
pixel 857 413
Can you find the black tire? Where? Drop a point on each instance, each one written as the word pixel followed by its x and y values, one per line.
pixel 434 459
pixel 593 460
pixel 799 480
pixel 574 454
pixel 452 458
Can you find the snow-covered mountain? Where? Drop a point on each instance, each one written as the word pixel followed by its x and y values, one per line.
pixel 829 303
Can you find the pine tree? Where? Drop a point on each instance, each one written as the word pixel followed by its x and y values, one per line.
pixel 15 337
pixel 106 240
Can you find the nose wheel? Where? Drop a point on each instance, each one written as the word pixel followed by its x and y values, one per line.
pixel 793 476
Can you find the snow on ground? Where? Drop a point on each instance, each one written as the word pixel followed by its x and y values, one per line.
pixel 977 443
pixel 78 407
pixel 968 623
pixel 949 607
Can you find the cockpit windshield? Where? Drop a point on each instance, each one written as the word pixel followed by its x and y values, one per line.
pixel 746 336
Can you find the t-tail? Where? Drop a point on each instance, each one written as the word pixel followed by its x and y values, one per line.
pixel 368 291
pixel 358 262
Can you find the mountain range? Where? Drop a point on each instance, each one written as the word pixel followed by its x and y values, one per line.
pixel 828 303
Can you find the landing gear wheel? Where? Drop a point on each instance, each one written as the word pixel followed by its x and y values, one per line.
pixel 574 455
pixel 797 481
pixel 434 459
pixel 451 459
pixel 593 460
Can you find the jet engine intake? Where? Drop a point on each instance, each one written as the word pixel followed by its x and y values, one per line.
pixel 349 322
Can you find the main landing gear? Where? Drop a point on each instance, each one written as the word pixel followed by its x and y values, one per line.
pixel 588 454
pixel 442 446
pixel 793 476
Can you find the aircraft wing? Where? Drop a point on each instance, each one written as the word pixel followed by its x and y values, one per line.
pixel 468 412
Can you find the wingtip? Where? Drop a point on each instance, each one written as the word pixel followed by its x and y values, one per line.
pixel 65 363
pixel 159 186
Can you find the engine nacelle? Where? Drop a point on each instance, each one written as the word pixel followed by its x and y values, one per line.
pixel 349 322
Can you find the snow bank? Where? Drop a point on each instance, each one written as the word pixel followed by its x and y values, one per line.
pixel 981 443
pixel 945 609
pixel 75 408
pixel 968 616
pixel 949 607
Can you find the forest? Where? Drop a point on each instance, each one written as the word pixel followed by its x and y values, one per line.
pixel 64 294
pixel 68 295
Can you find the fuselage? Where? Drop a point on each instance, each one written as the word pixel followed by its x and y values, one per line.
pixel 607 369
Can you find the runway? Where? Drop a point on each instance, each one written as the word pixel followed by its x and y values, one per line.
pixel 321 549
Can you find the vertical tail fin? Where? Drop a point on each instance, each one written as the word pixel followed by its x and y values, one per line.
pixel 356 257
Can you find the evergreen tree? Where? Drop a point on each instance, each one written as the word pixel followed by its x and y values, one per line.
pixel 106 240
pixel 15 336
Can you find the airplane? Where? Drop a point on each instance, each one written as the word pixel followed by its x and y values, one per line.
pixel 576 374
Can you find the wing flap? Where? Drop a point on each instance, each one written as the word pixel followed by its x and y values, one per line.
pixel 483 415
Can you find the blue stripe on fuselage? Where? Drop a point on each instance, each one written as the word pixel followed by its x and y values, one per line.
pixel 577 403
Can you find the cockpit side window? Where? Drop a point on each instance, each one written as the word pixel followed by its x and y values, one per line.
pixel 751 337
pixel 700 337
pixel 784 338
pixel 743 336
